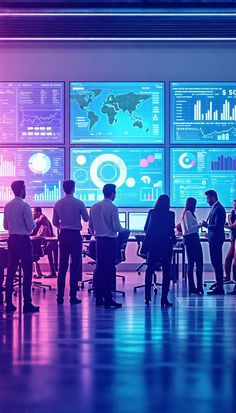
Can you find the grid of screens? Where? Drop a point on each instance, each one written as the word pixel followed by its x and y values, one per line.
pixel 31 113
pixel 138 174
pixel 42 169
pixel 203 113
pixel 117 113
pixel 195 170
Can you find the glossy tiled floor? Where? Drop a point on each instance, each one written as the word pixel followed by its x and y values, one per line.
pixel 136 359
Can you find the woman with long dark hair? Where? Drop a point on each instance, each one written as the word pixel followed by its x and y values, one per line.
pixel 159 242
pixel 190 229
pixel 231 255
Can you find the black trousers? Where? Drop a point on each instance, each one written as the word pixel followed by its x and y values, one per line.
pixel 105 273
pixel 195 256
pixel 70 244
pixel 19 250
pixel 216 260
pixel 3 265
pixel 164 257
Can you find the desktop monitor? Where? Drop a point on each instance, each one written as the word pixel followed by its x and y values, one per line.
pixel 31 113
pixel 137 221
pixel 122 218
pixel 138 174
pixel 203 113
pixel 195 170
pixel 117 113
pixel 1 223
pixel 42 169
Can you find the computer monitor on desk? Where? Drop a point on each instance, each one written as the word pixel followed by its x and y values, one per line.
pixel 137 221
pixel 2 230
pixel 122 218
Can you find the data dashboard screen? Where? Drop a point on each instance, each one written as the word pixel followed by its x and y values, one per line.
pixel 31 112
pixel 203 113
pixel 117 112
pixel 194 171
pixel 42 169
pixel 138 174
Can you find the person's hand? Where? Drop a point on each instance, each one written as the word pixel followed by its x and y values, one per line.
pixel 204 224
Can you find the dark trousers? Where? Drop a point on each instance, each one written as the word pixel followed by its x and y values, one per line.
pixel 52 252
pixel 105 268
pixel 164 257
pixel 70 244
pixel 19 250
pixel 195 256
pixel 216 260
pixel 3 265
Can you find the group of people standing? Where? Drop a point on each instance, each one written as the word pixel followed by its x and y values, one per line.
pixel 104 225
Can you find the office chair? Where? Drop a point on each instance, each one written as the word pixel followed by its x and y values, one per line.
pixel 38 246
pixel 90 252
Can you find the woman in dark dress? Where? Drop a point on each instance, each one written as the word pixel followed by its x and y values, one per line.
pixel 159 242
pixel 231 255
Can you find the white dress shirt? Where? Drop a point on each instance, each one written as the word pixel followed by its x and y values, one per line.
pixel 18 217
pixel 104 219
pixel 68 212
pixel 189 224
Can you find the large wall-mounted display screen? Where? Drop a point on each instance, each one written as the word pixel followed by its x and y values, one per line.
pixel 203 113
pixel 31 113
pixel 117 112
pixel 138 174
pixel 195 170
pixel 42 169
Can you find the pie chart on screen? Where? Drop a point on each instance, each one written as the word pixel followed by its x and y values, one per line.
pixel 39 163
pixel 187 160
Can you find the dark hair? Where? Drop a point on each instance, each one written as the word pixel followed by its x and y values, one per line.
pixel 163 203
pixel 17 187
pixel 68 186
pixel 190 205
pixel 38 209
pixel 108 190
pixel 212 193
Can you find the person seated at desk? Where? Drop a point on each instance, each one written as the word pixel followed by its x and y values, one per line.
pixel 231 256
pixel 193 246
pixel 44 229
pixel 158 243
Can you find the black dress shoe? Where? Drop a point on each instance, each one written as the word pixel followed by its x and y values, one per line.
pixel 200 291
pixel 165 303
pixel 10 308
pixel 216 291
pixel 113 304
pixel 60 300
pixel 74 301
pixel 193 290
pixel 147 303
pixel 50 276
pixel 233 292
pixel 30 308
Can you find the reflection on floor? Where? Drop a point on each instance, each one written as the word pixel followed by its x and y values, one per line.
pixel 136 359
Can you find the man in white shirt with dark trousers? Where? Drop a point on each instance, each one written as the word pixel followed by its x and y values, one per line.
pixel 67 216
pixel 18 220
pixel 104 223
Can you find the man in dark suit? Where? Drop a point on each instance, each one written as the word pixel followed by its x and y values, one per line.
pixel 216 237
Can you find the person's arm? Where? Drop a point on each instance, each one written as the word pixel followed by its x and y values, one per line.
pixel 147 223
pixel 28 218
pixel 232 226
pixel 84 213
pixel 91 226
pixel 116 221
pixel 5 220
pixel 55 219
pixel 189 222
pixel 219 220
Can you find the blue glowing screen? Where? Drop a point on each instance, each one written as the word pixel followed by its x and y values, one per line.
pixel 31 112
pixel 42 169
pixel 203 113
pixel 117 112
pixel 195 170
pixel 138 174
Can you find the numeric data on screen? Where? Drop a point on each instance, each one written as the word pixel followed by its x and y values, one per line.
pixel 42 169
pixel 203 113
pixel 117 112
pixel 31 112
pixel 195 170
pixel 138 174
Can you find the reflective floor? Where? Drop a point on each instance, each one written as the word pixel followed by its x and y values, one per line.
pixel 135 359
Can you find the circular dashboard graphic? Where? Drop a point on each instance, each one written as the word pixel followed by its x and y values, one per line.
pixel 108 168
pixel 80 176
pixel 39 163
pixel 187 160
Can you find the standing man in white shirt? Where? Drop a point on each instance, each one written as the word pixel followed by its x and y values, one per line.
pixel 18 220
pixel 104 223
pixel 67 216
